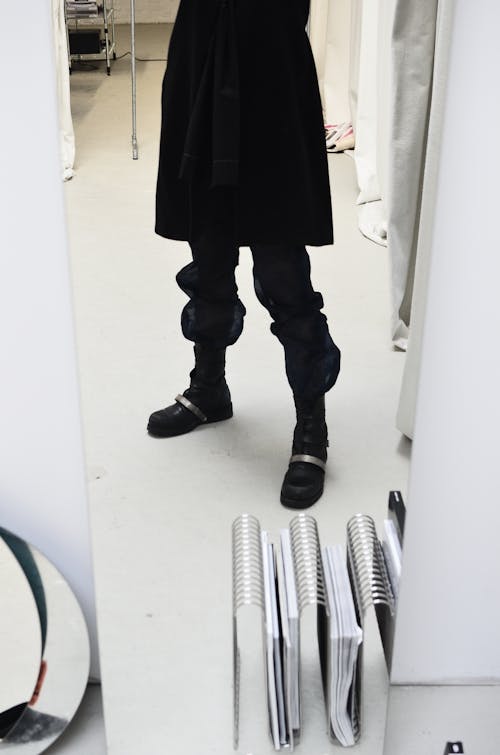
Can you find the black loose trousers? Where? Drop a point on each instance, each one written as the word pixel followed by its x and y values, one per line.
pixel 214 315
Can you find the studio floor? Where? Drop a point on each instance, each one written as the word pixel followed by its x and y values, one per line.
pixel 161 510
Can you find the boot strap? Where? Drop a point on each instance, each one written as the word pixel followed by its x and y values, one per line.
pixel 192 408
pixel 309 460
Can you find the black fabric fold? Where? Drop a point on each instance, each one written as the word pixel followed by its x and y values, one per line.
pixel 213 134
pixel 242 147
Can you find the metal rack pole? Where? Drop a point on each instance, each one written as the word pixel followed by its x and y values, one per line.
pixel 135 151
pixel 106 37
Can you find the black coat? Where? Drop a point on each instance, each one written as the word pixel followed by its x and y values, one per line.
pixel 242 147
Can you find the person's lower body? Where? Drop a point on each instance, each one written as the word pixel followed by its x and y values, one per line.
pixel 213 320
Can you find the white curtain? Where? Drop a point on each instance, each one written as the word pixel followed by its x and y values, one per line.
pixel 385 62
pixel 413 44
pixel 67 135
pixel 424 222
pixel 391 57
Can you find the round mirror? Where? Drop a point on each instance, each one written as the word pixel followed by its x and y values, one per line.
pixel 58 654
pixel 20 641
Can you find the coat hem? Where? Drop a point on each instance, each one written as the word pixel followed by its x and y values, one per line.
pixel 306 241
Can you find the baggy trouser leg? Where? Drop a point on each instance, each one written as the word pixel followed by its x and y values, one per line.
pixel 283 286
pixel 214 313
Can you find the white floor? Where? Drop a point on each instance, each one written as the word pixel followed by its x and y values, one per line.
pixel 162 510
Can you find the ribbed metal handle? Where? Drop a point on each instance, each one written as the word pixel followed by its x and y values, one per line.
pixel 366 560
pixel 248 590
pixel 308 567
pixel 248 575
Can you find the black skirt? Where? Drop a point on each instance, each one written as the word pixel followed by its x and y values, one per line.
pixel 242 147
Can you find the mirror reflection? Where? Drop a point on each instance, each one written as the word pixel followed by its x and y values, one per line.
pixel 264 139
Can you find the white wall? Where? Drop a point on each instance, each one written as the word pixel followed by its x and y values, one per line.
pixel 42 473
pixel 147 11
pixel 448 625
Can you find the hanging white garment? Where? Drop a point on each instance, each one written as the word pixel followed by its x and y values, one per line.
pixel 67 134
pixel 329 26
pixel 413 45
pixel 407 401
pixel 350 47
pixel 369 97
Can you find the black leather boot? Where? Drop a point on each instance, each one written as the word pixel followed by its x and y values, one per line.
pixel 206 400
pixel 304 480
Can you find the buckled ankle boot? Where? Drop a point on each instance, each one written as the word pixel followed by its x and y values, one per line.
pixel 206 400
pixel 304 480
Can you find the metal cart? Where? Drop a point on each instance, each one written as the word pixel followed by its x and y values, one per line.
pixel 78 19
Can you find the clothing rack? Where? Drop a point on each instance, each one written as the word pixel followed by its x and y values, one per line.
pixel 135 149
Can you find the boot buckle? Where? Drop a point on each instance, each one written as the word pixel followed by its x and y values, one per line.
pixel 309 460
pixel 191 407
